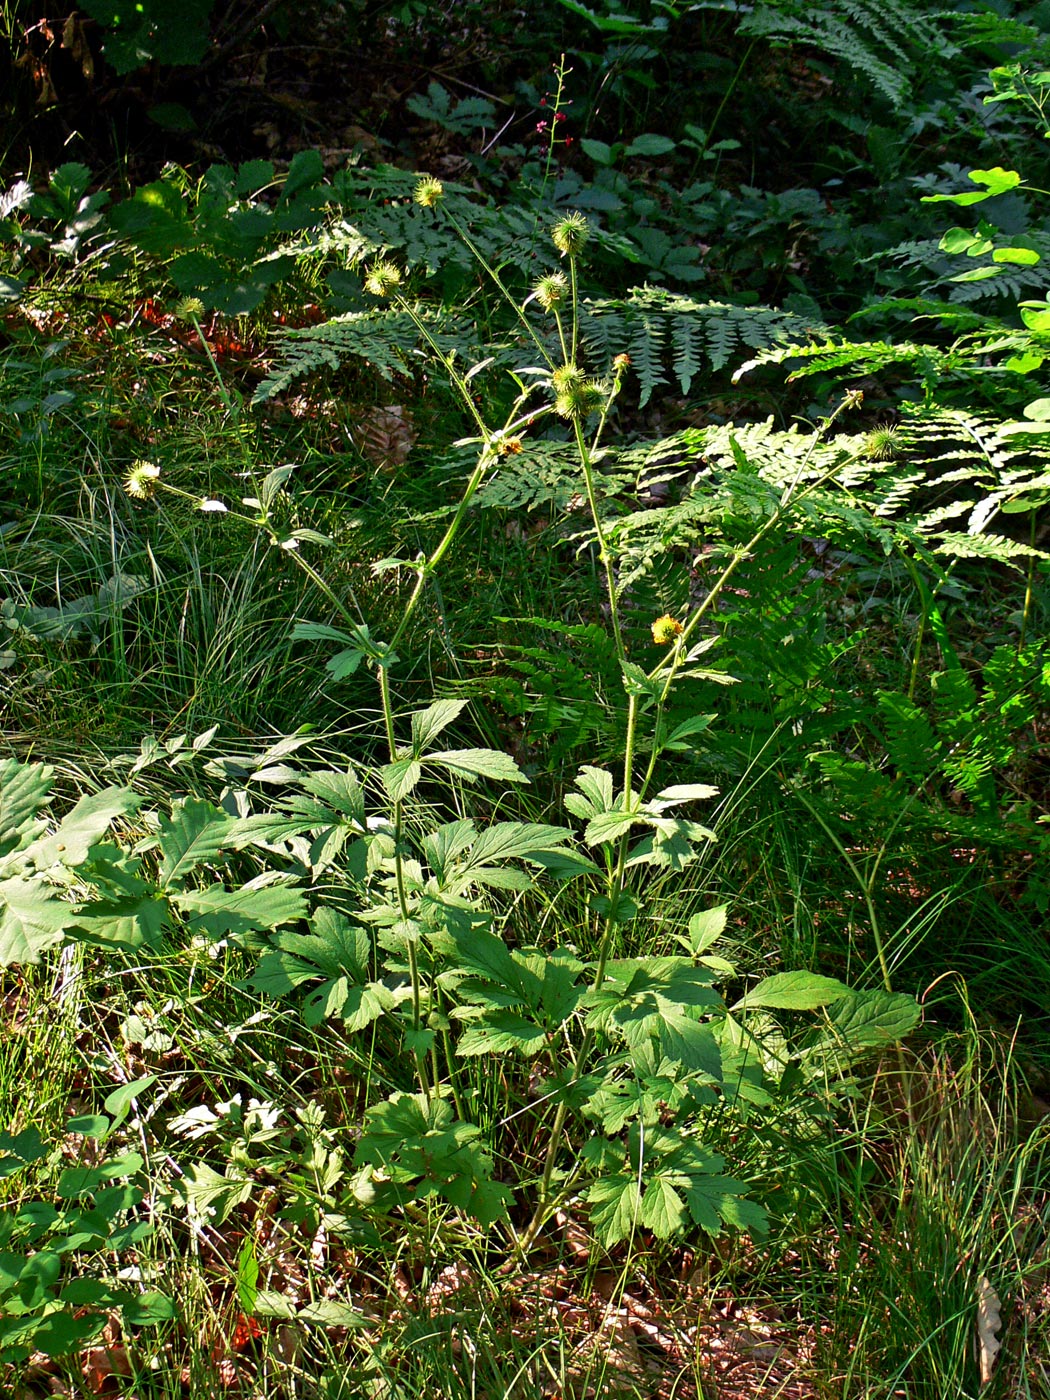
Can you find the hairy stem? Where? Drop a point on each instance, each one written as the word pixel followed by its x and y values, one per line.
pixel 399 877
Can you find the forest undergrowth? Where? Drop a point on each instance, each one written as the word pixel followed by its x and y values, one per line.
pixel 525 695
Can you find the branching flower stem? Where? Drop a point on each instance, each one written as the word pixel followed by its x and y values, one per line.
pixel 490 271
pixel 667 668
pixel 427 565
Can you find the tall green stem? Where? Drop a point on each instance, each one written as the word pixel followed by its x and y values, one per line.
pixel 603 546
pixel 544 1204
pixel 1029 588
pixel 865 885
pixel 510 301
pixel 399 877
pixel 574 302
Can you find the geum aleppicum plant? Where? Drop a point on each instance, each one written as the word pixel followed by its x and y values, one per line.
pixel 620 1057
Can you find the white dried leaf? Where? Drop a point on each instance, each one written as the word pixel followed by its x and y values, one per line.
pixel 989 1324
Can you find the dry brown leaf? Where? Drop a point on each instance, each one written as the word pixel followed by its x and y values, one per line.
pixel 453 1279
pixel 385 436
pixel 608 1362
pixel 74 39
pixel 102 1366
pixel 577 1239
pixel 41 1372
pixel 227 1371
pixel 288 1343
pixel 319 1247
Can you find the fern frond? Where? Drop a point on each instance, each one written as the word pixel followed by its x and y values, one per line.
pixel 966 279
pixel 688 350
pixel 981 28
pixel 868 356
pixel 549 474
pixel 995 547
pixel 380 207
pixel 543 474
pixel 650 319
pixel 386 338
pixel 884 43
pixel 646 345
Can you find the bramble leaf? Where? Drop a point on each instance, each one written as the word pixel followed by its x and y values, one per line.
pixel 608 826
pixel 24 789
pixel 496 1032
pixel 82 828
pixel 193 835
pixel 427 724
pixel 230 912
pixel 478 763
pixel 400 777
pixel 615 1207
pixel 794 991
pixel 31 920
pixel 663 1210
pixel 507 840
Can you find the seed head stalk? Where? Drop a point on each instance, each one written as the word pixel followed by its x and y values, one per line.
pixel 668 668
pixel 615 881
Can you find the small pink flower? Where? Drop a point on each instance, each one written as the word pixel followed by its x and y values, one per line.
pixel 541 127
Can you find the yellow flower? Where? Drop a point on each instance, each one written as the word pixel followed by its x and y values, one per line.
pixel 665 629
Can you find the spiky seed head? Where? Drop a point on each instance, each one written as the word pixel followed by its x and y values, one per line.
pixel 570 234
pixel 566 377
pixel 189 309
pixel 141 480
pixel 551 291
pixel 580 398
pixel 883 444
pixel 429 192
pixel 510 447
pixel 383 278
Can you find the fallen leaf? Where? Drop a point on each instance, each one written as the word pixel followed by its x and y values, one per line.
pixel 101 1365
pixel 989 1324
pixel 385 436
pixel 245 1330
